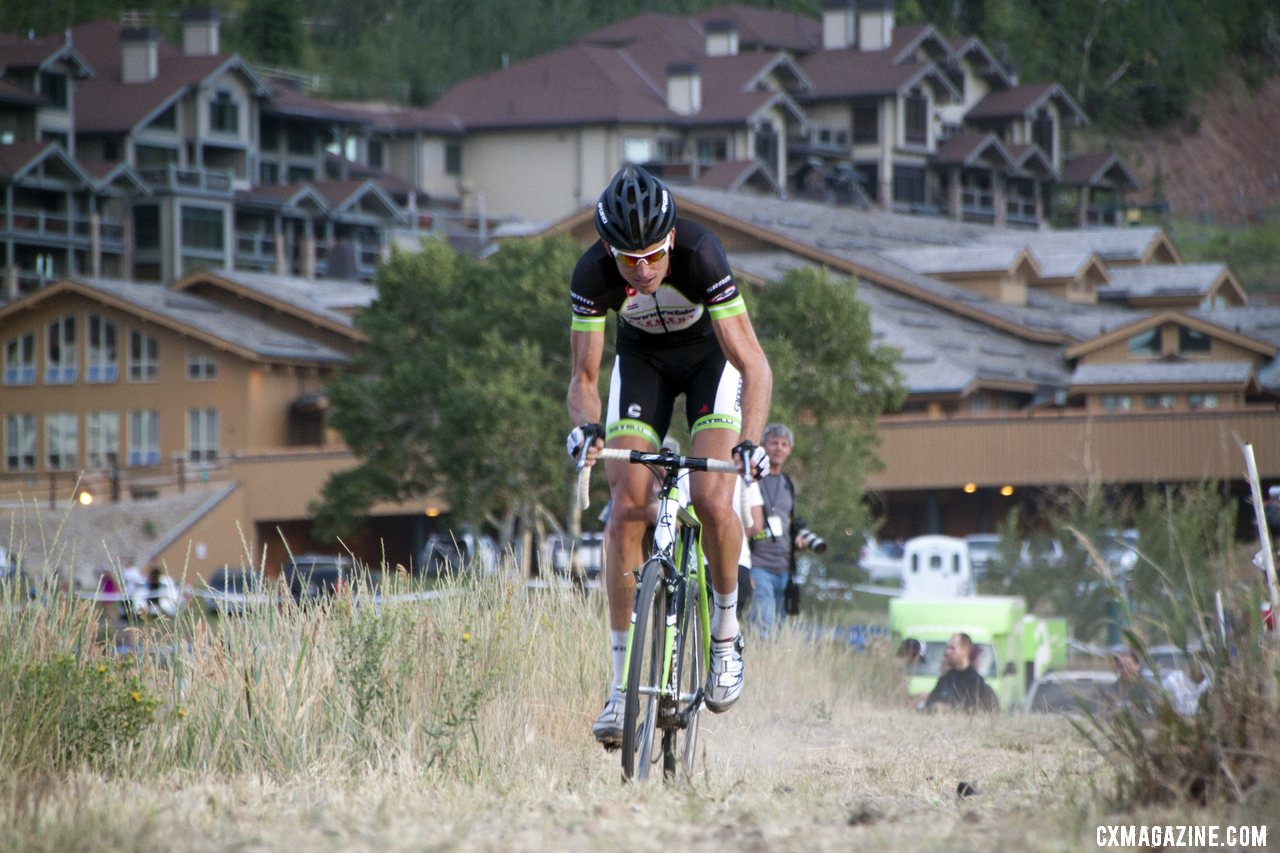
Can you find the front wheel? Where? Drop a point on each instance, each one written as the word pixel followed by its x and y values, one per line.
pixel 681 743
pixel 644 688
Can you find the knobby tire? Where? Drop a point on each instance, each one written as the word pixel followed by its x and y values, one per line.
pixel 640 731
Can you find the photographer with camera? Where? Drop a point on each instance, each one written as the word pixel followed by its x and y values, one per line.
pixel 773 561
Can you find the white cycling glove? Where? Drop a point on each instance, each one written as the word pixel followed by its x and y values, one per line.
pixel 582 435
pixel 754 461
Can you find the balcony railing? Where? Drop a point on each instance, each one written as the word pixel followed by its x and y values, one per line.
pixel 177 179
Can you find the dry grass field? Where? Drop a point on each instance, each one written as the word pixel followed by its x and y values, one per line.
pixel 463 724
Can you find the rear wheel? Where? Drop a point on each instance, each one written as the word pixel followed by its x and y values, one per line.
pixel 640 730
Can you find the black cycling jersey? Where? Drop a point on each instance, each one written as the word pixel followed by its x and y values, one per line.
pixel 698 288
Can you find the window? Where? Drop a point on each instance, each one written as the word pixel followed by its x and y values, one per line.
pixel 909 185
pixel 202 228
pixel 61 439
pixel 202 435
pixel 1117 402
pixel 766 143
pixel 300 174
pixel 714 150
pixel 103 358
pixel 146 227
pixel 269 173
pixel 1042 133
pixel 866 124
pixel 269 134
pixel 300 140
pixel 1157 401
pixel 20 360
pixel 1202 401
pixel 637 150
pixel 167 120
pixel 224 113
pixel 200 366
pixel 144 361
pixel 102 439
pixel 670 150
pixel 154 156
pixel 1193 342
pixel 60 353
pixel 375 154
pixel 916 127
pixel 1145 343
pixel 453 158
pixel 54 88
pixel 144 438
pixel 20 442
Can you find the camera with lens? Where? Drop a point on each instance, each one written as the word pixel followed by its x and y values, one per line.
pixel 806 539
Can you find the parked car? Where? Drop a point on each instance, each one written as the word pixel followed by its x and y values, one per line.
pixel 313 577
pixel 1041 552
pixel 449 553
pixel 590 553
pixel 1071 692
pixel 881 561
pixel 983 547
pixel 228 591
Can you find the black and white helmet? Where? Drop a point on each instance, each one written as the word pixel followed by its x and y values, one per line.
pixel 636 210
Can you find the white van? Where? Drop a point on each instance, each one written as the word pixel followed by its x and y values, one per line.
pixel 936 567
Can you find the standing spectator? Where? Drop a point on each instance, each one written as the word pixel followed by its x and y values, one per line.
pixel 773 548
pixel 961 687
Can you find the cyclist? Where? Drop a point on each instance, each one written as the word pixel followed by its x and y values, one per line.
pixel 682 328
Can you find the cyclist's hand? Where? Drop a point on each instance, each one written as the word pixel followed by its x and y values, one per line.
pixel 581 440
pixel 753 459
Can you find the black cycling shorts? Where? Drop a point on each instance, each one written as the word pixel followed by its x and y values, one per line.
pixel 645 385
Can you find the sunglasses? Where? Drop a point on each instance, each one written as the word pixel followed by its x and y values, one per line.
pixel 633 261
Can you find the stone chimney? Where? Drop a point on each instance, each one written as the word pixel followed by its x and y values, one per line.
pixel 722 38
pixel 839 21
pixel 684 88
pixel 875 25
pixel 139 54
pixel 200 32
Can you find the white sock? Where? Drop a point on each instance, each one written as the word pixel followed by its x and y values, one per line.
pixel 724 615
pixel 618 651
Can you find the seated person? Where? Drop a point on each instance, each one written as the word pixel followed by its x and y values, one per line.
pixel 961 687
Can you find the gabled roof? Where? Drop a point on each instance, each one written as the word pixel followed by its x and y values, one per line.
pixel 11 93
pixel 201 319
pixel 288 100
pixel 103 175
pixel 970 147
pixel 768 29
pixel 1162 281
pixel 354 196
pixel 682 33
pixel 1069 265
pixel 1098 170
pixel 984 62
pixel 913 37
pixel 1166 374
pixel 852 73
pixel 1128 245
pixel 20 159
pixel 1181 318
pixel 286 196
pixel 732 175
pixel 1023 101
pixel 324 302
pixel 106 104
pixel 1028 159
pixel 964 260
pixel 40 53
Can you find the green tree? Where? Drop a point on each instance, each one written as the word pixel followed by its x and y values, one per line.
pixel 460 388
pixel 270 31
pixel 831 382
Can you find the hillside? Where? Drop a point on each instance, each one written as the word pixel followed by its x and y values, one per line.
pixel 1222 165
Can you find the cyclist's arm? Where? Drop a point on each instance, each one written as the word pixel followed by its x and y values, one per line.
pixel 742 349
pixel 584 383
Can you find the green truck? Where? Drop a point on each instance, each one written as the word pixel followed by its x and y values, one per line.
pixel 1014 647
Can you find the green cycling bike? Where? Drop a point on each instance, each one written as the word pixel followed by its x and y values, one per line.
pixel 669 641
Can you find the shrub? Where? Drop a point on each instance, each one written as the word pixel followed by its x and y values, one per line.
pixel 65 711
